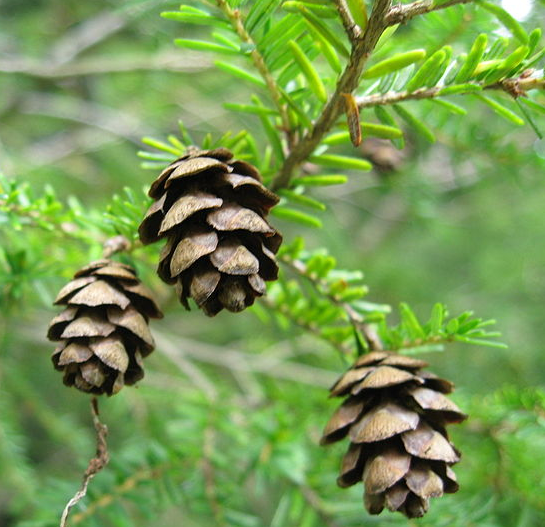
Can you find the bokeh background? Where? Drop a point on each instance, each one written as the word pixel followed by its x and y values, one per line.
pixel 224 428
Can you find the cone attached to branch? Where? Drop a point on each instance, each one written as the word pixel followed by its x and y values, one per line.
pixel 395 417
pixel 103 332
pixel 220 250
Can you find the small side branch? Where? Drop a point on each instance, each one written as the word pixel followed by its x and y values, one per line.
pixel 399 14
pixel 352 29
pixel 513 87
pixel 96 464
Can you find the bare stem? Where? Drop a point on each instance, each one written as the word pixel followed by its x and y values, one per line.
pixel 236 21
pixel 400 14
pixel 96 464
pixel 513 87
pixel 348 81
pixel 114 245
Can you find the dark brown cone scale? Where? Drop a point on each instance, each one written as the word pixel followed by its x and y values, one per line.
pixel 103 331
pixel 395 416
pixel 220 249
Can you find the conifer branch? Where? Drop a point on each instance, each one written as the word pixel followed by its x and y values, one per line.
pixel 259 62
pixel 311 328
pixel 348 81
pixel 96 464
pixel 399 14
pixel 322 288
pixel 357 320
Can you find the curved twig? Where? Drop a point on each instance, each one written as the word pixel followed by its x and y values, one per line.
pixel 96 464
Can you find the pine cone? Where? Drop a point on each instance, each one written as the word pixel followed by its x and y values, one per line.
pixel 104 330
pixel 219 248
pixel 395 417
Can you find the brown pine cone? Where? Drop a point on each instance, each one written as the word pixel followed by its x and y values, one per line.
pixel 104 330
pixel 395 417
pixel 220 249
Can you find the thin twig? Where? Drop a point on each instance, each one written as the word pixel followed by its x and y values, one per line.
pixel 348 81
pixel 510 86
pixel 400 14
pixel 352 29
pixel 259 62
pixel 114 245
pixel 96 464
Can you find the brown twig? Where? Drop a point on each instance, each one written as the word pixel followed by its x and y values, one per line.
pixel 506 85
pixel 352 29
pixel 116 244
pixel 96 464
pixel 348 81
pixel 400 14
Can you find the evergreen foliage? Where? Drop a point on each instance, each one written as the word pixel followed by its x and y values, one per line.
pixel 448 99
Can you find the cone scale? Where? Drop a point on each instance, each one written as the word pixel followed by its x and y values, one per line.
pixel 395 416
pixel 220 249
pixel 103 331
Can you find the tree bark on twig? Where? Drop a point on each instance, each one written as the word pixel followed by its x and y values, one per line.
pixel 96 464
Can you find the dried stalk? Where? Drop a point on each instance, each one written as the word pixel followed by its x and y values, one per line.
pixel 96 464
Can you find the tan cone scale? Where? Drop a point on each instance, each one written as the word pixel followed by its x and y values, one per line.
pixel 395 417
pixel 103 332
pixel 220 250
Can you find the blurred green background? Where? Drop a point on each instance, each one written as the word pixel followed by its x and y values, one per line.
pixel 459 222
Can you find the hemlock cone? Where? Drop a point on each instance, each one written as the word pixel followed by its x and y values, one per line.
pixel 395 417
pixel 220 249
pixel 104 330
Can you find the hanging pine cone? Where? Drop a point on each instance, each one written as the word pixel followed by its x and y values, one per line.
pixel 220 249
pixel 104 330
pixel 395 417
